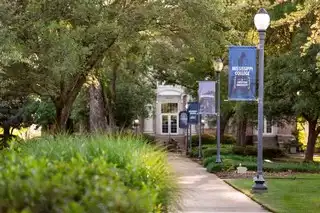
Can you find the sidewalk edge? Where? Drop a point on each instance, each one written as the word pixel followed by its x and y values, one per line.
pixel 252 198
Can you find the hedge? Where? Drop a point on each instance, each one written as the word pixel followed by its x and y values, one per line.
pixel 211 139
pixel 86 174
pixel 252 151
pixel 231 162
pixel 210 150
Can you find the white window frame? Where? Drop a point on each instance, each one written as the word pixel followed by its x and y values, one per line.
pixel 169 124
pixel 274 129
pixel 169 119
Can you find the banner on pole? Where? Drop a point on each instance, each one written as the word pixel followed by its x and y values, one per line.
pixel 242 73
pixel 193 108
pixel 206 94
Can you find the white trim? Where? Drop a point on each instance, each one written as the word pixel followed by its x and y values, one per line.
pixel 274 129
pixel 169 123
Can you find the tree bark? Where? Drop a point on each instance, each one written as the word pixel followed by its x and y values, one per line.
pixel 312 138
pixel 62 116
pixel 224 121
pixel 97 116
pixel 241 133
pixel 6 134
pixel 64 102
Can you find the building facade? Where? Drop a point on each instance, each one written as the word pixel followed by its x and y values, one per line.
pixel 163 119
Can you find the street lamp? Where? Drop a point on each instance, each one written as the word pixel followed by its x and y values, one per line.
pixel 262 22
pixel 136 123
pixel 202 125
pixel 218 66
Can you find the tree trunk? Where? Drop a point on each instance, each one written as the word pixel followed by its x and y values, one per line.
pixel 241 133
pixel 110 97
pixel 312 138
pixel 62 116
pixel 112 101
pixel 97 117
pixel 6 134
pixel 224 121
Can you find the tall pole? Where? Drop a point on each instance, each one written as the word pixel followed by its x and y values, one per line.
pixel 190 138
pixel 259 180
pixel 218 158
pixel 200 145
pixel 187 140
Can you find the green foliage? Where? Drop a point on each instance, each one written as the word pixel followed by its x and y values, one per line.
pixel 211 150
pixel 41 111
pixel 86 174
pixel 228 139
pixel 130 102
pixel 150 139
pixel 214 167
pixel 207 139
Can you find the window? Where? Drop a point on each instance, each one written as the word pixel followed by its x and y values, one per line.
pixel 268 127
pixel 174 124
pixel 169 124
pixel 169 108
pixel 165 124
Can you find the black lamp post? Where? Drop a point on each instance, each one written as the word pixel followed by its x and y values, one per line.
pixel 218 66
pixel 136 124
pixel 262 22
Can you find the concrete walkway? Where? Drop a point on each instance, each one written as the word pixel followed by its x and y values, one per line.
pixel 203 192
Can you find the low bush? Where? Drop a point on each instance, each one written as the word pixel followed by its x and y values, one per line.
pixel 150 139
pixel 210 150
pixel 214 167
pixel 252 151
pixel 211 139
pixel 229 139
pixel 85 174
pixel 205 139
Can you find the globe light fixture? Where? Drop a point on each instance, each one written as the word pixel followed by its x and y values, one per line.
pixel 218 65
pixel 262 20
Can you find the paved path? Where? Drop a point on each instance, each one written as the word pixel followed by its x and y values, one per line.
pixel 203 192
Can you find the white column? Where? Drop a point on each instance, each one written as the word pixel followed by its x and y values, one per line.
pixel 148 121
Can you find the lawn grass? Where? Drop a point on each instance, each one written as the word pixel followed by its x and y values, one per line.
pixel 299 194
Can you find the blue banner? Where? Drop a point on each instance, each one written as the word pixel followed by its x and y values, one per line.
pixel 242 73
pixel 193 108
pixel 183 120
pixel 206 94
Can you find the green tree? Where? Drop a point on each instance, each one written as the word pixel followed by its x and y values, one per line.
pixel 292 72
pixel 56 44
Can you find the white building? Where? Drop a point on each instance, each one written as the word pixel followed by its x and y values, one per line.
pixel 163 119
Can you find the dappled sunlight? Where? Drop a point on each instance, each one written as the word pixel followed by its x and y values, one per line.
pixel 191 179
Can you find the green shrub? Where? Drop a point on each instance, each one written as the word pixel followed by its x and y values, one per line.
pixel 150 139
pixel 86 174
pixel 205 139
pixel 229 139
pixel 210 150
pixel 231 162
pixel 211 139
pixel 214 167
pixel 252 151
